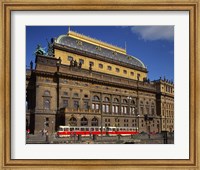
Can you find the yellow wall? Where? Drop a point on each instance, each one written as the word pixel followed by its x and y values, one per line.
pixel 64 57
pixel 163 88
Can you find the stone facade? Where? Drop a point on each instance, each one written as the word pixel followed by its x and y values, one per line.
pixel 62 94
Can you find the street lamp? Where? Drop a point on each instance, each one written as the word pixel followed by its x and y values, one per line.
pixel 101 109
pixel 138 121
pixel 52 126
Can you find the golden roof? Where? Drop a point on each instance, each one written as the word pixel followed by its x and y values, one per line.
pixel 95 42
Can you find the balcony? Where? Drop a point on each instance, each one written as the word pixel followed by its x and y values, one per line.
pixel 79 111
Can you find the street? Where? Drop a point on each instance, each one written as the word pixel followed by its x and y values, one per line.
pixel 135 139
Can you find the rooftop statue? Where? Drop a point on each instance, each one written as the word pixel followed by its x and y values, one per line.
pixel 50 50
pixel 40 50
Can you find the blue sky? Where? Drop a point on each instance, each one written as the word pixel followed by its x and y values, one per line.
pixel 153 45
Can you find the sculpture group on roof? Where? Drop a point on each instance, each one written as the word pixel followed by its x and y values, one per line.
pixel 74 63
pixel 40 50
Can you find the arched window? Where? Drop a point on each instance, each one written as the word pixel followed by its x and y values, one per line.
pixel 47 93
pixel 94 122
pixel 47 104
pixel 116 100
pixel 84 121
pixel 133 102
pixel 125 101
pixel 73 121
pixel 96 98
pixel 106 99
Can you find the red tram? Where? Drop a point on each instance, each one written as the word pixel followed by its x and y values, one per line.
pixel 65 131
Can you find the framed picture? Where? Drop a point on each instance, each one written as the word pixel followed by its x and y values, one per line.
pixel 81 80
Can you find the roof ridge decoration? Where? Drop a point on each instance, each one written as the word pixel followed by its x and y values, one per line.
pixel 95 42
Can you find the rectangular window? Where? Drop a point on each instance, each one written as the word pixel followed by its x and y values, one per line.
pixel 97 106
pixel 76 104
pixel 130 110
pixel 65 103
pixel 75 94
pixel 113 109
pixel 116 109
pixel 133 110
pixel 81 61
pixel 122 109
pixel 86 106
pixel 132 73
pixel 125 110
pixel 107 108
pixel 93 106
pixel 70 58
pixel 103 109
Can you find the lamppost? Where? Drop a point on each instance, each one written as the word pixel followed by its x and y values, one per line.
pixel 138 116
pixel 101 109
pixel 52 127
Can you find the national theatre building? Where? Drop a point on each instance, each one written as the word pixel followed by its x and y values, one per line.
pixel 81 81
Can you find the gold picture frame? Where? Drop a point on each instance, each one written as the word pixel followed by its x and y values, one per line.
pixel 120 5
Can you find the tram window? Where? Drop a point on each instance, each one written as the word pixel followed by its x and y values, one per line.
pixel 82 129
pixel 124 129
pixel 71 129
pixel 87 129
pixel 114 129
pixel 92 129
pixel 120 128
pixel 76 128
pixel 97 129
